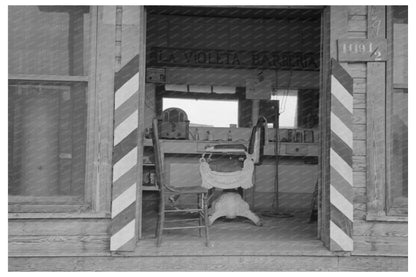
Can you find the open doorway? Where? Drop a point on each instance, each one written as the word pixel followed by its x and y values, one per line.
pixel 273 51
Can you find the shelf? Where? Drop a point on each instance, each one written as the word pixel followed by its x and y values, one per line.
pixel 148 164
pixel 149 188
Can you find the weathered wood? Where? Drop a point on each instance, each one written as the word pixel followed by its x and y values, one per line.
pixel 380 229
pixel 56 215
pixel 359 147
pixel 105 99
pixel 359 101
pixel 359 179
pixel 53 78
pixel 210 263
pixel 359 116
pixel 359 131
pixel 357 70
pixel 359 85
pixel 359 163
pixel 58 227
pixel 57 245
pixel 361 263
pixel 357 23
pixel 357 10
pixel 360 195
pixel 360 211
pixel 357 34
pixel 376 245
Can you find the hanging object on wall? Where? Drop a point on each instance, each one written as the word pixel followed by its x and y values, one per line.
pixel 156 75
pixel 259 87
pixel 340 160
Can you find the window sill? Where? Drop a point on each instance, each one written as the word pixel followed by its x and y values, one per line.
pixel 87 215
pixel 388 218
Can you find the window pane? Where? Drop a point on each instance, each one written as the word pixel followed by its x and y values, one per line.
pixel 47 135
pixel 398 141
pixel 48 40
pixel 215 113
pixel 399 152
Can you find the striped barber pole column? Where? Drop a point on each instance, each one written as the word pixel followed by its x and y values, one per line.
pixel 125 171
pixel 341 176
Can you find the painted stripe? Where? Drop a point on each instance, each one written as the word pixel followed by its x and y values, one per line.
pixel 342 239
pixel 342 131
pixel 124 165
pixel 342 204
pixel 343 76
pixel 123 218
pixel 123 200
pixel 124 182
pixel 341 220
pixel 126 91
pixel 126 72
pixel 341 148
pixel 126 127
pixel 122 236
pixel 126 109
pixel 334 246
pixel 341 185
pixel 125 146
pixel 341 166
pixel 341 111
pixel 341 93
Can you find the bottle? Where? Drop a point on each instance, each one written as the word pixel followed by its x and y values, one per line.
pixel 209 136
pixel 229 136
pixel 196 134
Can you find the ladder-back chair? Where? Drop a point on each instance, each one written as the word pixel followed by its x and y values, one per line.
pixel 167 191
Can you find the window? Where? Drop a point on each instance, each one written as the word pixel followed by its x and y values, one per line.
pixel 48 87
pixel 397 117
pixel 215 113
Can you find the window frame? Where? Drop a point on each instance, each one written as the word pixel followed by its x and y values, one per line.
pixel 49 206
pixel 378 122
pixel 390 88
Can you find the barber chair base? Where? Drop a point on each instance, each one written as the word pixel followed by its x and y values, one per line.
pixel 231 205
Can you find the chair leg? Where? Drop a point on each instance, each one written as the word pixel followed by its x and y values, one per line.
pixel 206 218
pixel 161 220
pixel 200 206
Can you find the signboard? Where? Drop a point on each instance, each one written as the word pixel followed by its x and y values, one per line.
pixel 362 50
pixel 165 56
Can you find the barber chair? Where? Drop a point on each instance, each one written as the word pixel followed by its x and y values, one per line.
pixel 218 175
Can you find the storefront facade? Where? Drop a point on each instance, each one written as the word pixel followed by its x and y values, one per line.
pixel 83 87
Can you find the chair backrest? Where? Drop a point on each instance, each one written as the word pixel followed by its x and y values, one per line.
pixel 257 140
pixel 158 154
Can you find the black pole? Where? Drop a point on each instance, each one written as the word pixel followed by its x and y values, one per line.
pixel 276 123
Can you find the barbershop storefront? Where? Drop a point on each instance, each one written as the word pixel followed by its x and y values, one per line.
pixel 329 84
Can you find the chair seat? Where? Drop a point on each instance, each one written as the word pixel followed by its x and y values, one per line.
pixel 185 190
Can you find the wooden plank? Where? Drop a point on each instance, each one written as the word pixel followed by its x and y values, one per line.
pixel 380 229
pixel 105 99
pixel 359 131
pixel 359 147
pixel 359 101
pixel 360 211
pixel 92 138
pixel 57 245
pixel 357 23
pixel 51 78
pixel 376 245
pixel 357 34
pixel 210 263
pixel 360 195
pixel 359 163
pixel 52 208
pixel 141 121
pixel 357 70
pixel 376 22
pixel 359 116
pixel 357 10
pixel 376 137
pixel 363 263
pixel 31 215
pixel 359 85
pixel 359 179
pixel 58 227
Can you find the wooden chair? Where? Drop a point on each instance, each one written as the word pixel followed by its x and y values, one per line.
pixel 167 191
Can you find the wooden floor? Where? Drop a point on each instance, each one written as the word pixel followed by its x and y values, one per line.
pixel 278 236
